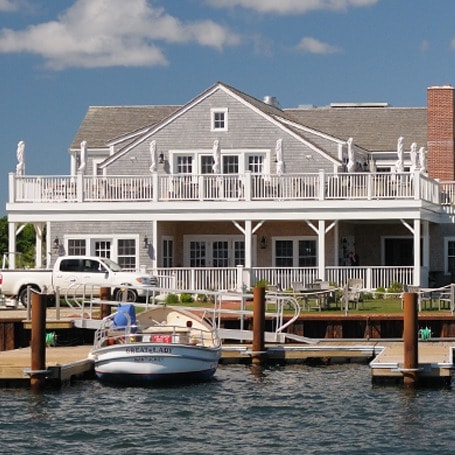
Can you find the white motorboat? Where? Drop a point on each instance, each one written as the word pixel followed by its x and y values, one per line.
pixel 160 344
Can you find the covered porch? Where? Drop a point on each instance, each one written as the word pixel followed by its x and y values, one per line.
pixel 269 212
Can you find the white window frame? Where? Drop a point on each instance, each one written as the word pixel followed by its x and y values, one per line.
pixel 218 110
pixel 90 239
pixel 446 253
pixel 209 239
pixel 295 247
pixel 242 154
pixel 168 238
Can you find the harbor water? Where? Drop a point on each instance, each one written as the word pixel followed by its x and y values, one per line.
pixel 294 409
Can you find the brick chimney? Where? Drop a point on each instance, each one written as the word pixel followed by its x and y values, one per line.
pixel 441 132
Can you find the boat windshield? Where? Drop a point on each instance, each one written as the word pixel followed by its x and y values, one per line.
pixel 111 265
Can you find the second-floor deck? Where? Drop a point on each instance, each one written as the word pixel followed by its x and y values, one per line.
pixel 230 187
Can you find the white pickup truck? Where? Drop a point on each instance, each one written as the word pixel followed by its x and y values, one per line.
pixel 71 274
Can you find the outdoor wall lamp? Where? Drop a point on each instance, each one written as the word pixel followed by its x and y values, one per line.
pixel 56 243
pixel 146 242
pixel 161 158
pixel 263 243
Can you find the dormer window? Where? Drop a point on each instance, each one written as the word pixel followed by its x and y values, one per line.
pixel 219 119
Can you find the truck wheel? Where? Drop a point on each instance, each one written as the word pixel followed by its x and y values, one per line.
pixel 131 295
pixel 22 297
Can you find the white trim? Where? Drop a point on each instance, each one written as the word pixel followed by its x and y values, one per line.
pixel 242 153
pixel 295 247
pixel 446 253
pixel 108 238
pixel 275 120
pixel 95 162
pixel 219 110
pixel 167 238
pixel 208 240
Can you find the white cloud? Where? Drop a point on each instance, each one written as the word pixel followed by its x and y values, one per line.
pixel 424 46
pixel 291 6
pixel 101 33
pixel 8 6
pixel 313 46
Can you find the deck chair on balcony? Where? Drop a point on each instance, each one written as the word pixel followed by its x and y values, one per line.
pixel 352 293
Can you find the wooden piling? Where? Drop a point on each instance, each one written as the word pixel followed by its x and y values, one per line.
pixel 410 339
pixel 38 341
pixel 258 346
pixel 105 294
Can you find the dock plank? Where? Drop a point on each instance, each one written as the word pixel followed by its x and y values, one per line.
pixel 435 359
pixel 63 363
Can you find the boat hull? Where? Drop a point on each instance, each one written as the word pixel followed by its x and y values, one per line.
pixel 143 363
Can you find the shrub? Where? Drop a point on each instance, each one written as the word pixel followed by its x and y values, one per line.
pixel 379 294
pixel 394 288
pixel 186 298
pixel 261 283
pixel 204 298
pixel 171 299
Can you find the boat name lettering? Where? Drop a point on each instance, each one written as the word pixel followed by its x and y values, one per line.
pixel 149 349
pixel 148 359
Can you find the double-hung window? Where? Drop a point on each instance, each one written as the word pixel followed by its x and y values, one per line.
pixel 296 252
pixel 219 119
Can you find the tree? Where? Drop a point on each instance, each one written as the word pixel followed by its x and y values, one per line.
pixel 3 235
pixel 25 243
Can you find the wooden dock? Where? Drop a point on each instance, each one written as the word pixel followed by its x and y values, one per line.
pixel 322 351
pixel 63 364
pixel 435 362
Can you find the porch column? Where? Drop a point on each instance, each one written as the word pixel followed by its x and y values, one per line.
pixel 426 250
pixel 48 245
pixel 11 245
pixel 154 252
pixel 248 245
pixel 336 249
pixel 247 231
pixel 321 249
pixel 417 252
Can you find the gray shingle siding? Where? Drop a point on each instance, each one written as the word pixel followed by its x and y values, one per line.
pixel 246 129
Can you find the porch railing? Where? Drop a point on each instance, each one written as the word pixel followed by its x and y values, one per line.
pixel 229 187
pixel 241 278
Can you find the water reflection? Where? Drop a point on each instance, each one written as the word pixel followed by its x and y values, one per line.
pixel 244 409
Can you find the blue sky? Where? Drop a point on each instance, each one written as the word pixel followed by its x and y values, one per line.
pixel 57 57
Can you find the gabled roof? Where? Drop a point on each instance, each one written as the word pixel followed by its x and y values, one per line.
pixel 269 111
pixel 375 129
pixel 104 123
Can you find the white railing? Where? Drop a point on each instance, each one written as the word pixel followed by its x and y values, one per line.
pixel 229 187
pixel 240 278
pixel 447 190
